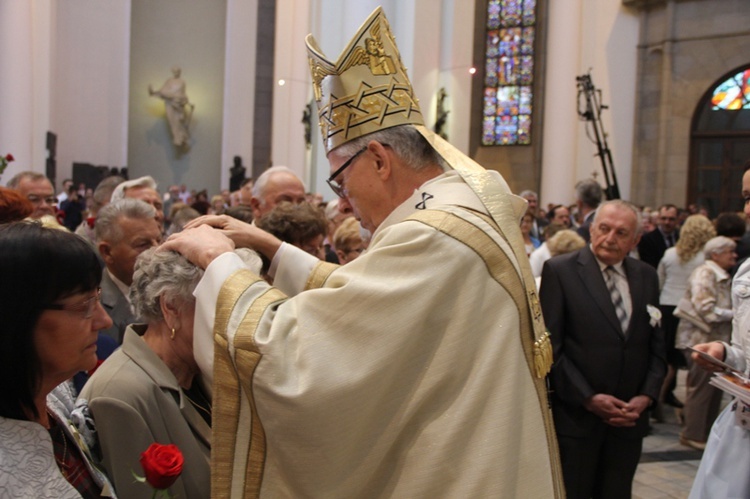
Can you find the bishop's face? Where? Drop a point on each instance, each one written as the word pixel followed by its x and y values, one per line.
pixel 362 190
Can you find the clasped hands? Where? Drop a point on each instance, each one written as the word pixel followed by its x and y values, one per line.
pixel 616 412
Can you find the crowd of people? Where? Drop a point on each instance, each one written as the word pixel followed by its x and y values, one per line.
pixel 426 333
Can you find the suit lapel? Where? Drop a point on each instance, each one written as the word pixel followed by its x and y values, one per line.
pixel 593 280
pixel 196 422
pixel 112 298
pixel 147 359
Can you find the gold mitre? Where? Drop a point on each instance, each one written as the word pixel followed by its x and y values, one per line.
pixel 366 90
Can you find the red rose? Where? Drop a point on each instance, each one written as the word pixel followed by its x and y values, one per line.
pixel 162 465
pixel 9 157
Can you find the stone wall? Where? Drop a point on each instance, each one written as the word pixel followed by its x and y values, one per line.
pixel 685 47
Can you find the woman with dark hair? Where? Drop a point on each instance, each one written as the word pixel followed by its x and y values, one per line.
pixel 49 304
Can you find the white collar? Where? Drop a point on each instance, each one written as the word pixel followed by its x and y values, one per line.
pixel 446 189
pixel 721 274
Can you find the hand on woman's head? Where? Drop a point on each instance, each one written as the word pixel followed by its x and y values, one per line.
pixel 201 245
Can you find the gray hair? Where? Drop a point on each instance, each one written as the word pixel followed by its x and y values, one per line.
pixel 260 185
pixel 589 192
pixel 406 142
pixel 527 193
pixel 107 226
pixel 103 192
pixel 119 192
pixel 162 273
pixel 181 218
pixel 624 205
pixel 716 245
pixel 18 177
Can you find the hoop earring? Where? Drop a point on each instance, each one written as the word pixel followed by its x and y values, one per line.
pixel 172 336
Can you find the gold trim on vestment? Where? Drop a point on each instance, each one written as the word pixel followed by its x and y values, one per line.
pixel 225 420
pixel 320 274
pixel 237 375
pixel 226 390
pixel 505 273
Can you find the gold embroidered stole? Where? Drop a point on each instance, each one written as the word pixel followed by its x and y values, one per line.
pixel 534 338
pixel 238 447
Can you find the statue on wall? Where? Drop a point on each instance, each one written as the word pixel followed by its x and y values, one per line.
pixel 307 121
pixel 178 107
pixel 442 114
pixel 237 174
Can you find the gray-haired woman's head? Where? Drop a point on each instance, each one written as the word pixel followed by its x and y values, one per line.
pixel 160 273
pixel 718 244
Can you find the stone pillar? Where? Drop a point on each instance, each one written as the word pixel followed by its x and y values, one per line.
pixel 16 89
pixel 239 86
pixel 560 131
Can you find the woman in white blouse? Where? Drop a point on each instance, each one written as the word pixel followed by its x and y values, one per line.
pixel 674 272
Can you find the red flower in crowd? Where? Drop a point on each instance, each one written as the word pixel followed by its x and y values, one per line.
pixel 9 157
pixel 162 465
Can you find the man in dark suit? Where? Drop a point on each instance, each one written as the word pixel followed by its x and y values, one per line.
pixel 588 196
pixel 124 229
pixel 600 308
pixel 655 243
pixel 539 223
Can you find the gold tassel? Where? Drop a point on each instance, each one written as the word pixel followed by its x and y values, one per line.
pixel 543 355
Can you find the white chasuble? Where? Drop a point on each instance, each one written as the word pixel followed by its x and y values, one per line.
pixel 405 373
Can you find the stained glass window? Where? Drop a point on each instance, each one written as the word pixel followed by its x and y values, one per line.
pixel 508 72
pixel 733 93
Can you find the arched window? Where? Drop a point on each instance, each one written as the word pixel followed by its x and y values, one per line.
pixel 720 143
pixel 509 72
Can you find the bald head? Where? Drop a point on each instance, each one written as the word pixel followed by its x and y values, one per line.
pixel 274 186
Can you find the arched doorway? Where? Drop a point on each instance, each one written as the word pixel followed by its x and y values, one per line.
pixel 720 143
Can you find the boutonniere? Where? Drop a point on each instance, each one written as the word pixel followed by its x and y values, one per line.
pixel 655 315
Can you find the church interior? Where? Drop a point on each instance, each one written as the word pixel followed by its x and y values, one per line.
pixel 501 79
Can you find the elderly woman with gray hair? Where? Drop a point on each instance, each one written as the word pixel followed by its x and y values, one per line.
pixel 705 315
pixel 148 391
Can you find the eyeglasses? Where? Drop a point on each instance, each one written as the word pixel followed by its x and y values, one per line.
pixel 39 199
pixel 337 188
pixel 86 307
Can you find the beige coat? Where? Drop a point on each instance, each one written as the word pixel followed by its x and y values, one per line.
pixel 135 401
pixel 710 296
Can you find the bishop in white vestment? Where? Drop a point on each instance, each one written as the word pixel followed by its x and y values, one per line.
pixel 418 369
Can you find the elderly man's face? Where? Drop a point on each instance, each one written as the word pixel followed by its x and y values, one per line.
pixel 533 203
pixel 138 235
pixel 151 197
pixel 280 187
pixel 614 234
pixel 668 220
pixel 562 216
pixel 364 194
pixel 41 194
pixel 246 194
